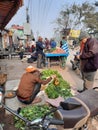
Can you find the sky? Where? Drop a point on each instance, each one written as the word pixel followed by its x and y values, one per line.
pixel 43 14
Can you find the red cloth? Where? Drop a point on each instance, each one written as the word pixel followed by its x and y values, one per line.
pixel 81 46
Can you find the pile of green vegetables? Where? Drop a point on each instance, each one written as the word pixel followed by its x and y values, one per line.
pixel 62 88
pixel 49 50
pixel 31 113
pixel 54 91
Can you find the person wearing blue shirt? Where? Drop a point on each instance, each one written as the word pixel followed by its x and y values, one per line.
pixel 64 45
pixel 53 44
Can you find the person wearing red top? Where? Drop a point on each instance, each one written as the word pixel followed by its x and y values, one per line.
pixel 88 59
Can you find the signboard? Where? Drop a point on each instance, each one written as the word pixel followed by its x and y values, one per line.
pixel 27 29
pixel 74 33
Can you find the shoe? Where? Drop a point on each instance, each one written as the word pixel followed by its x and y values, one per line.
pixel 80 91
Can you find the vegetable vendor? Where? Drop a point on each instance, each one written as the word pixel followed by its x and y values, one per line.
pixel 30 85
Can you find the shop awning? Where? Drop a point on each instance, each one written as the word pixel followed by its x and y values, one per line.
pixel 8 9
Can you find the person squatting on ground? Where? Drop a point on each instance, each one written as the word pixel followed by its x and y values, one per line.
pixel 30 85
pixel 40 53
pixel 88 59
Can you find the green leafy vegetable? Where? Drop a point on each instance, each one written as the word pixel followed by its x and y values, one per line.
pixel 62 89
pixel 31 113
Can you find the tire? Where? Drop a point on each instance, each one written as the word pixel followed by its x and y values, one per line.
pixel 74 67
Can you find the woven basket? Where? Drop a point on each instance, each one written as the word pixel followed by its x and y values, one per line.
pixel 3 78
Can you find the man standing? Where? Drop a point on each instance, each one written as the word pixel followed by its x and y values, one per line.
pixel 40 53
pixel 88 59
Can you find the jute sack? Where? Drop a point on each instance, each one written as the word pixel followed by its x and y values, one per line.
pixel 3 78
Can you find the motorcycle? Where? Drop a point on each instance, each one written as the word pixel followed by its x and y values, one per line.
pixel 79 111
pixel 73 113
pixel 75 62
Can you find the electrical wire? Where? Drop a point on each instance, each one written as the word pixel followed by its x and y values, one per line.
pixel 39 11
pixel 28 4
pixel 49 4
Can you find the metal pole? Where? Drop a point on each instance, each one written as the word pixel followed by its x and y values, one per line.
pixel 27 16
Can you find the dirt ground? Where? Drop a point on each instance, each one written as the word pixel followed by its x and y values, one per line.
pixel 6 121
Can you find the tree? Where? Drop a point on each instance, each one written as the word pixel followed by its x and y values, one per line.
pixel 77 16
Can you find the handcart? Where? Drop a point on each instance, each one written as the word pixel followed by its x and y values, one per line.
pixel 56 58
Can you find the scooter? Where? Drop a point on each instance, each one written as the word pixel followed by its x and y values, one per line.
pixel 73 113
pixel 79 110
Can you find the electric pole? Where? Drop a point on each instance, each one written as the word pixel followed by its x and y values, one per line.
pixel 27 16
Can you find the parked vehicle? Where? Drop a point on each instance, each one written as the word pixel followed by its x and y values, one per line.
pixel 74 113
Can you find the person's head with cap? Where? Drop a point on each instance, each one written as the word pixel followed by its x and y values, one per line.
pixel 31 69
pixel 40 38
pixel 84 36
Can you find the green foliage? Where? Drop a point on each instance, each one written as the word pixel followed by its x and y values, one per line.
pixel 31 113
pixel 78 16
pixel 62 89
pixel 49 72
pixel 55 91
pixel 49 50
